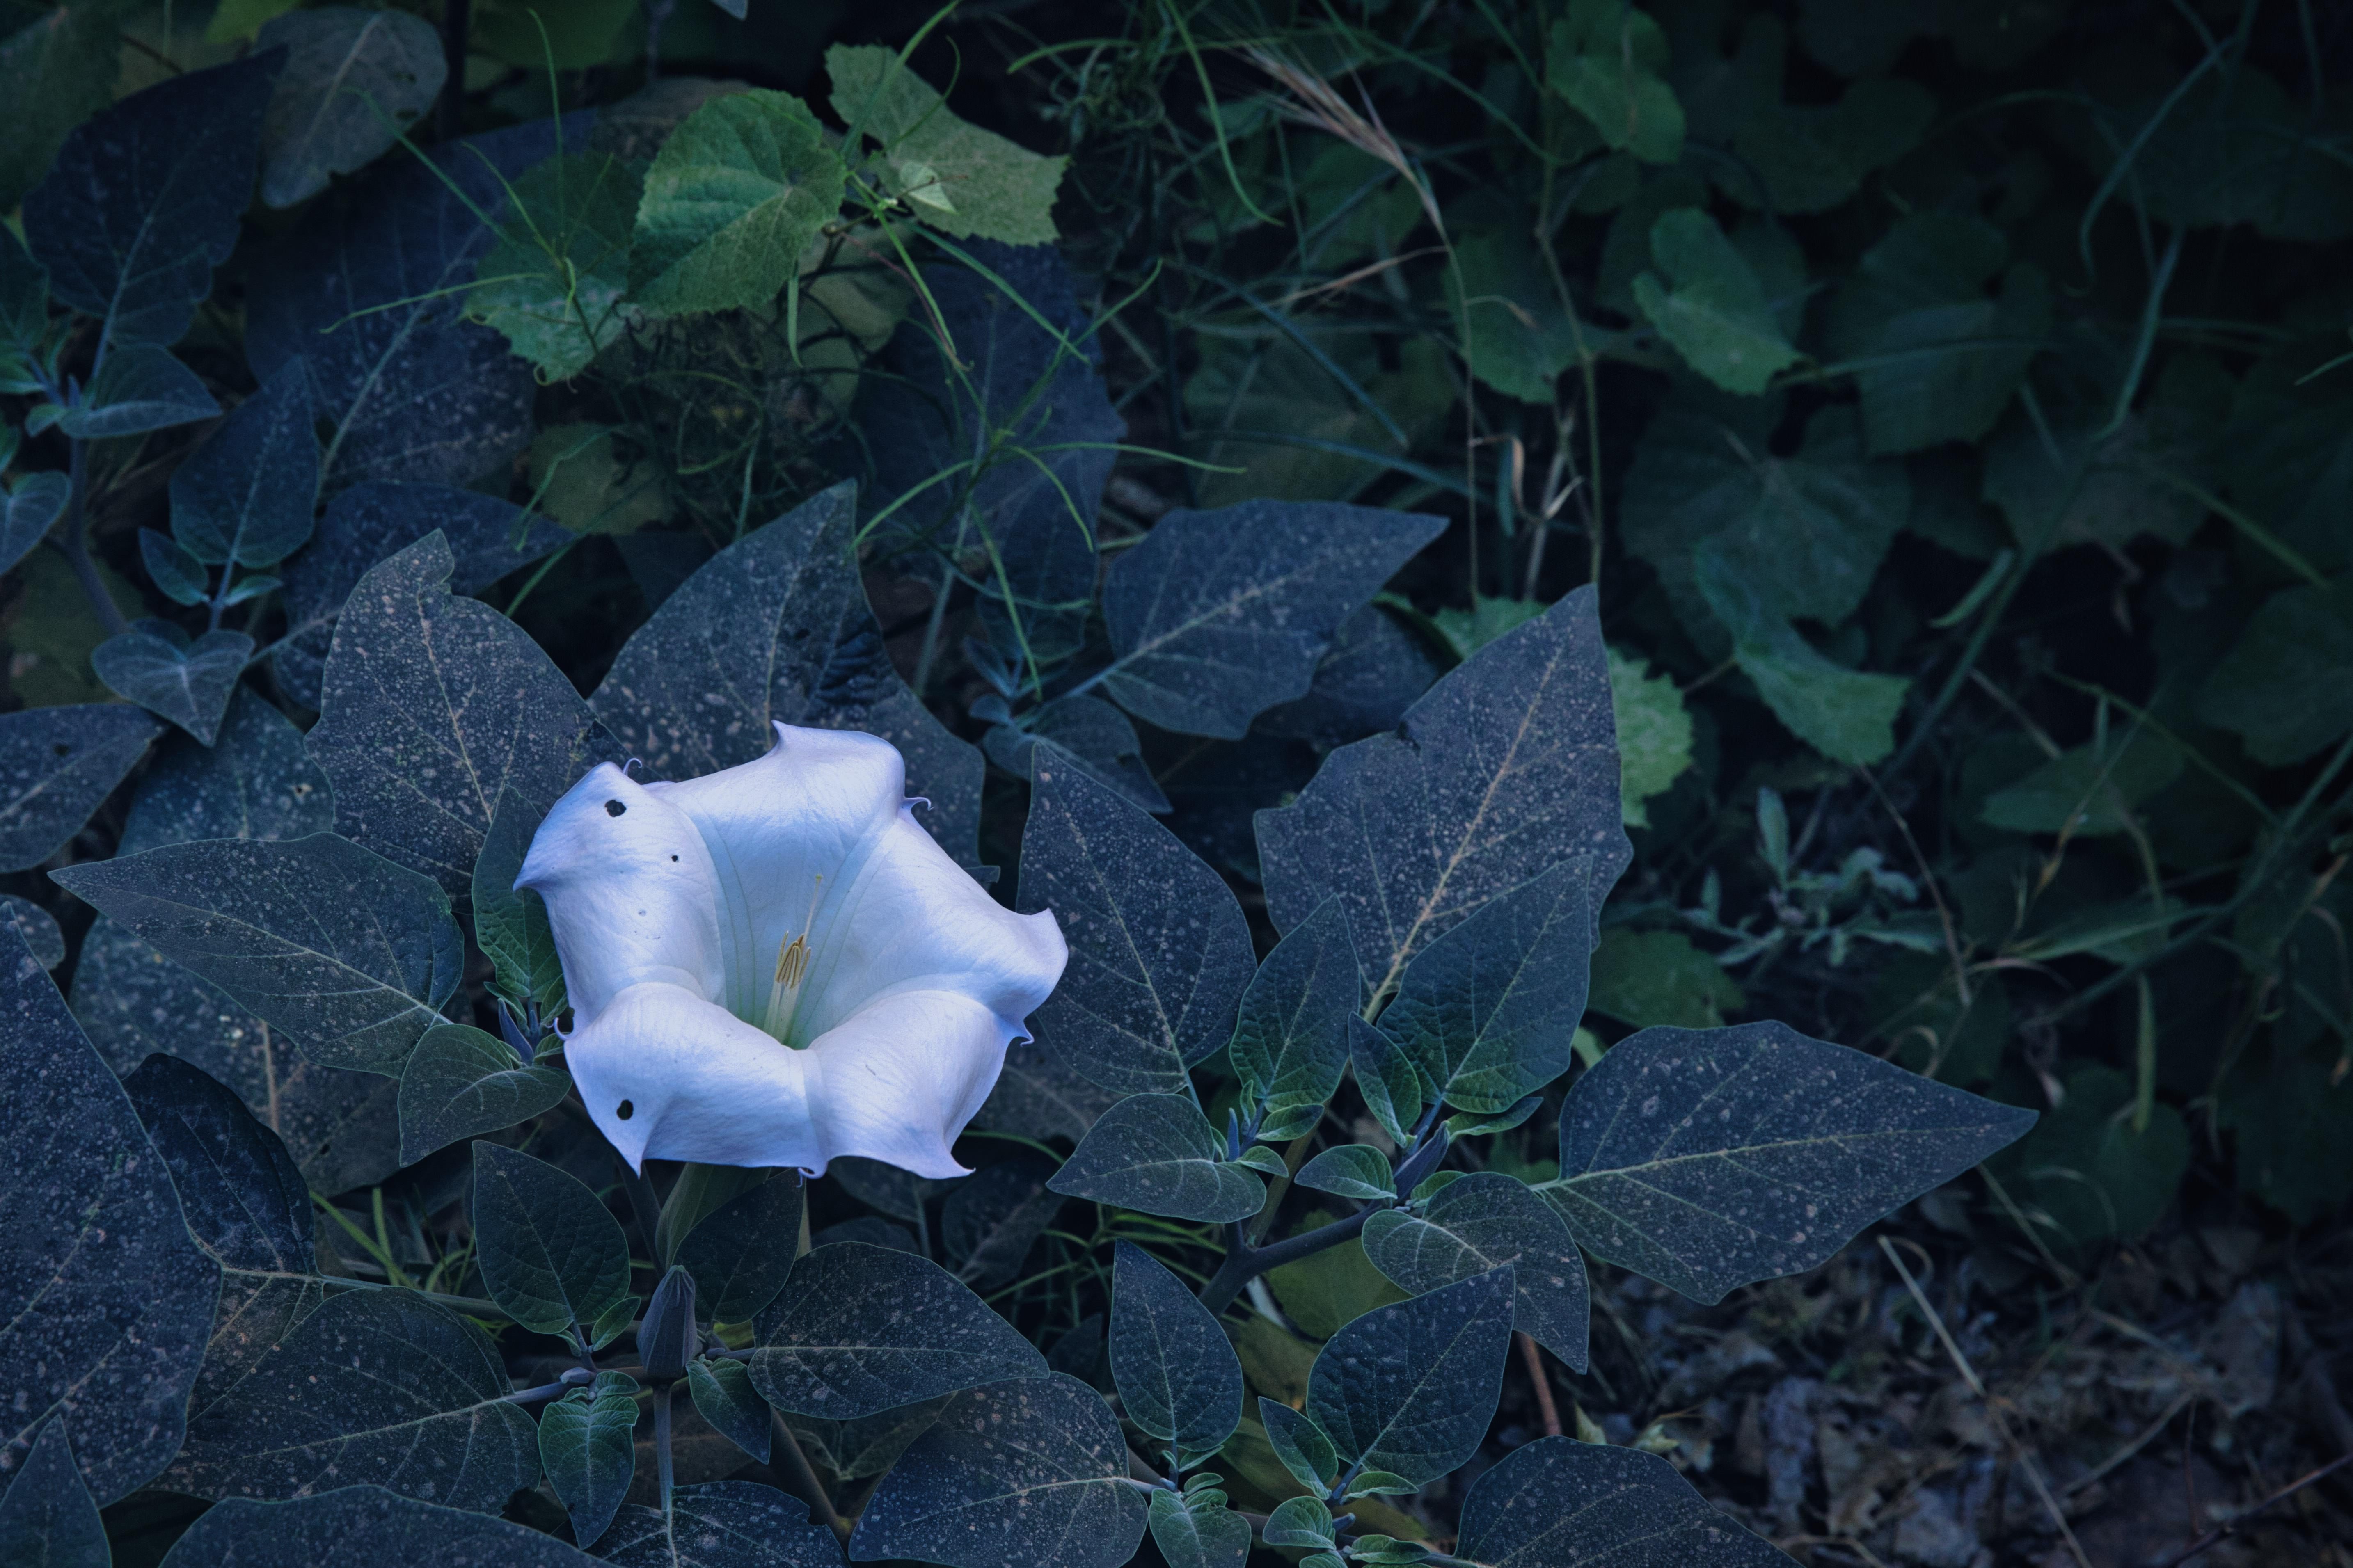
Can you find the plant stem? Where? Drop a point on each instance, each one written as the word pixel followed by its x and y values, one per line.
pixel 800 1476
pixel 73 542
pixel 1244 1262
pixel 661 1441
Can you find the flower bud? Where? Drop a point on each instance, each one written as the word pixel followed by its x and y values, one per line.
pixel 666 1340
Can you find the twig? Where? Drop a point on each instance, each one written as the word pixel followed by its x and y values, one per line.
pixel 1534 1358
pixel 801 1477
pixel 2224 1532
pixel 2018 1453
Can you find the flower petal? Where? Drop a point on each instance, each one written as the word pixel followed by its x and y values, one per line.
pixel 898 1079
pixel 700 1083
pixel 915 921
pixel 774 826
pixel 631 891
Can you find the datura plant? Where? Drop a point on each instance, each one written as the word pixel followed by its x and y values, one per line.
pixel 454 1079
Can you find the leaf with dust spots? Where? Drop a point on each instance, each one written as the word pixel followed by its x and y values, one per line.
pixel 1484 1221
pixel 1557 1503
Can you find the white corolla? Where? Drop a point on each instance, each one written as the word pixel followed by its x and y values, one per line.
pixel 775 965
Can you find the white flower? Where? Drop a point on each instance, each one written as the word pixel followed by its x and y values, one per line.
pixel 775 965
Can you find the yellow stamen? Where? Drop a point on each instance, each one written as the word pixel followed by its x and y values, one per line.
pixel 792 968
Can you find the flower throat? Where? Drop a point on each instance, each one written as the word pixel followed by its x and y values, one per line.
pixel 792 968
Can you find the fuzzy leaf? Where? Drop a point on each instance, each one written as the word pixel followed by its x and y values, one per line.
pixel 140 387
pixel 460 1083
pixel 724 1398
pixel 1481 1222
pixel 190 686
pixel 588 1447
pixel 734 196
pixel 1176 1372
pixel 1355 1170
pixel 1411 1388
pixel 1158 1153
pixel 552 1255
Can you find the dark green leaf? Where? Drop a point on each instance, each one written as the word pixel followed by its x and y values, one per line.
pixel 48 1520
pixel 56 764
pixel 1505 769
pixel 2088 790
pixel 1303 1446
pixel 510 922
pixel 1158 1153
pixel 140 387
pixel 1033 1471
pixel 1487 1011
pixel 724 1398
pixel 1159 950
pixel 340 1126
pixel 587 1446
pixel 1809 158
pixel 369 291
pixel 1388 1080
pixel 1712 307
pixel 1372 675
pixel 1355 1170
pixel 1848 716
pixel 742 1252
pixel 1300 1521
pixel 956 177
pixel 736 194
pixel 860 1329
pixel 2086 1173
pixel 1604 59
pixel 105 1297
pixel 364 1520
pixel 55 71
pixel 376 1386
pixel 1710 1158
pixel 685 692
pixel 1291 1041
pixel 992 1218
pixel 348 953
pixel 460 1083
pixel 188 685
pixel 143 201
pixel 1176 1374
pixel 550 1253
pixel 1411 1388
pixel 246 494
pixel 554 282
pixel 722 1524
pixel 1481 1222
pixel 1560 1503
pixel 354 80
pixel 1645 977
pixel 243 1196
pixel 369 521
pixel 2287 685
pixel 1516 336
pixel 1196 1529
pixel 1218 616
pixel 433 707
pixel 33 501
pixel 868 1446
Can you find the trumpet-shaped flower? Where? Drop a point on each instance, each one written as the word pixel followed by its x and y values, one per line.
pixel 775 965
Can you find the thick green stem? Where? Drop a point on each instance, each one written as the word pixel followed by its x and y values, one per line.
pixel 1245 1263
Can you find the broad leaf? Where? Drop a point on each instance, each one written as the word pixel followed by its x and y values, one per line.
pixel 868 1446
pixel 1218 616
pixel 350 954
pixel 733 197
pixel 53 76
pixel 1389 1079
pixel 1033 1471
pixel 724 1398
pixel 860 1329
pixel 1708 1159
pixel 461 1083
pixel 246 495
pixel 1159 950
pixel 1411 1388
pixel 190 685
pixel 1846 715
pixel 1086 732
pixel 1645 977
pixel 2287 685
pixel 553 283
pixel 1305 1448
pixel 511 923
pixel 40 928
pixel 1560 1503
pixel 1015 411
pixel 587 1446
pixel 1196 1529
pixel 105 1298
pixel 1711 306
pixel 2088 790
pixel 1372 675
pixel 376 1386
pixel 354 80
pixel 48 1520
pixel 1158 1153
pixel 31 504
pixel 1176 1372
pixel 1355 1170
pixel 56 764
pixel 1291 1041
pixel 552 1255
pixel 1604 59
pixel 992 1219
pixel 742 1252
pixel 1505 769
pixel 956 177
pixel 1039 1097
pixel 362 1521
pixel 144 200
pixel 368 290
pixel 1809 158
pixel 1516 336
pixel 432 709
pixel 140 387
pixel 339 1125
pixel 1654 733
pixel 2088 1172
pixel 777 628
pixel 1488 1010
pixel 722 1524
pixel 372 520
pixel 1484 1221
